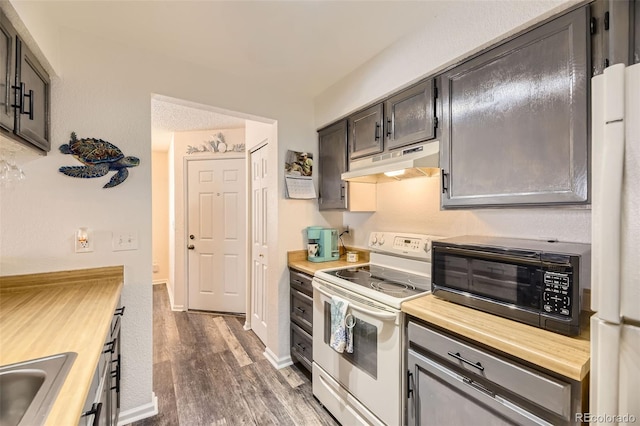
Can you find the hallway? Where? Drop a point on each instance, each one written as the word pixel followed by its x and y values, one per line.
pixel 207 370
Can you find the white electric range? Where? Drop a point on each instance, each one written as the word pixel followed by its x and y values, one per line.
pixel 365 387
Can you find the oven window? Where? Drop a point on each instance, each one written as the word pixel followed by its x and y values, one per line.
pixel 365 343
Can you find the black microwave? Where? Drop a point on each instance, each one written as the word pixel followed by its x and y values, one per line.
pixel 539 283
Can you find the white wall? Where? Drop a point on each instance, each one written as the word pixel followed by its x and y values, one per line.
pixel 413 205
pixel 160 214
pixel 105 91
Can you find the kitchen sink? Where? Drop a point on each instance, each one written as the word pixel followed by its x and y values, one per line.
pixel 28 389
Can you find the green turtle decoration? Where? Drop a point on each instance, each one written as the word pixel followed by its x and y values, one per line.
pixel 99 158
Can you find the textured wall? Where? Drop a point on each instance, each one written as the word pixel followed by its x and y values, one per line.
pixel 160 214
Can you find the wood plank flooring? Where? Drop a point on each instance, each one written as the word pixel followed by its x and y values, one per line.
pixel 207 370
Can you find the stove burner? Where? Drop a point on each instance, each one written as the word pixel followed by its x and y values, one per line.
pixel 391 288
pixel 394 275
pixel 353 274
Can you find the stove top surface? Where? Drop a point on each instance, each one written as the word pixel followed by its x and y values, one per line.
pixel 390 282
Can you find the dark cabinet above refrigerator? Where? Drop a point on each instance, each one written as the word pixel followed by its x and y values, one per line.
pixel 515 120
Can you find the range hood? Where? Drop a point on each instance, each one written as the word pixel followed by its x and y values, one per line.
pixel 415 161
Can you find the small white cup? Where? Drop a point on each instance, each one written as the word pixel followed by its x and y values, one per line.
pixel 352 256
pixel 312 249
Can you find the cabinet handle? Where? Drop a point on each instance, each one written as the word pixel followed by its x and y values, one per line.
pixel 300 309
pixel 302 348
pixel 95 410
pixel 466 361
pixel 110 347
pixel 388 127
pixel 342 192
pixel 377 135
pixel 444 175
pixel 409 384
pixel 30 96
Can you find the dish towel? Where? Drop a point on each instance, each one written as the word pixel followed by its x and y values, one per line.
pixel 338 339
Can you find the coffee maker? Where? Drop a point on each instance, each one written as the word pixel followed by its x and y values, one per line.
pixel 322 244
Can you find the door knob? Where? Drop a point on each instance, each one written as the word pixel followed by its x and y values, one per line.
pixel 191 246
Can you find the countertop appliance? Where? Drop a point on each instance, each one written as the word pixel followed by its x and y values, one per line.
pixel 365 386
pixel 615 295
pixel 539 283
pixel 322 244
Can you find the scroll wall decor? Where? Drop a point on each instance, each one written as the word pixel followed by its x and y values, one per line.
pixel 99 158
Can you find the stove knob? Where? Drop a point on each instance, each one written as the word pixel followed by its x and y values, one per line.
pixel 382 239
pixel 374 240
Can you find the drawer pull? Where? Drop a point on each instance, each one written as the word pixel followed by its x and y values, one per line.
pixel 466 361
pixel 302 310
pixel 302 347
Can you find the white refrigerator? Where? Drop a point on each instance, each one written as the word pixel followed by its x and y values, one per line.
pixel 615 279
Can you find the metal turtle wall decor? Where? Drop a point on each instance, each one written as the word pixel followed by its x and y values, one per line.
pixel 99 158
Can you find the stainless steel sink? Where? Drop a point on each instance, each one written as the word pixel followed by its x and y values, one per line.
pixel 28 389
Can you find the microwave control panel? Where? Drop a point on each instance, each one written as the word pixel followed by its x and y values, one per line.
pixel 556 294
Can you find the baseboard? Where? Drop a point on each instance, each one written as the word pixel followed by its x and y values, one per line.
pixel 247 325
pixel 139 413
pixel 277 363
pixel 156 282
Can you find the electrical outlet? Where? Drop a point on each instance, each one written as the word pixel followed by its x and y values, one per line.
pixel 124 240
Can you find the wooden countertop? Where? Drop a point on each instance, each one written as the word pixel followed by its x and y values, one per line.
pixel 298 260
pixel 567 356
pixel 51 313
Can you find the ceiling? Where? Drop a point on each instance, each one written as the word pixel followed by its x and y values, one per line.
pixel 303 46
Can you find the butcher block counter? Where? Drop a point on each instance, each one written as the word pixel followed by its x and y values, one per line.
pixel 298 260
pixel 50 313
pixel 567 356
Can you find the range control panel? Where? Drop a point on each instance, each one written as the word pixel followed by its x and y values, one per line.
pixel 556 294
pixel 404 244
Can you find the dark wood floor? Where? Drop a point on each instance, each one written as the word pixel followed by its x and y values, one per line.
pixel 207 370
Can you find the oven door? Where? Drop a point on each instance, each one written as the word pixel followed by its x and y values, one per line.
pixel 372 374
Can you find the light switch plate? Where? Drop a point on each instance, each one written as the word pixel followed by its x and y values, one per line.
pixel 124 240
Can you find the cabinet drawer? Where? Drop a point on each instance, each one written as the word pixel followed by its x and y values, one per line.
pixel 537 387
pixel 302 310
pixel 301 346
pixel 301 282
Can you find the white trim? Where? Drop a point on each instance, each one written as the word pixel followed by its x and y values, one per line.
pixel 178 308
pixel 247 323
pixel 140 412
pixel 157 282
pixel 277 363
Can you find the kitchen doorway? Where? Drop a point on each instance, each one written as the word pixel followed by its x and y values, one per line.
pixel 216 208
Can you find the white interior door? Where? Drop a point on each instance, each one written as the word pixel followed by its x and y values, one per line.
pixel 259 229
pixel 217 235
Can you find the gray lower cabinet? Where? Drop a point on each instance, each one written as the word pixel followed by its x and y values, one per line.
pixel 24 92
pixel 301 313
pixel 410 115
pixel 515 120
pixel 102 406
pixel 451 381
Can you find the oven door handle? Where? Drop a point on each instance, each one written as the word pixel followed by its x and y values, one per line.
pixel 382 316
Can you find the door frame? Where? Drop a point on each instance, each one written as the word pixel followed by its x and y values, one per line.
pixel 249 294
pixel 185 200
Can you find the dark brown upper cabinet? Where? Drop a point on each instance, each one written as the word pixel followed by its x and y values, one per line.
pixel 25 92
pixel 515 120
pixel 332 162
pixel 410 115
pixel 366 132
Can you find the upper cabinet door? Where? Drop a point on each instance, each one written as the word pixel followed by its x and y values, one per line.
pixel 410 115
pixel 365 132
pixel 7 72
pixel 332 162
pixel 33 121
pixel 515 120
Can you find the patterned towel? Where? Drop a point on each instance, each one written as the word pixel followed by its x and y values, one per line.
pixel 339 308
